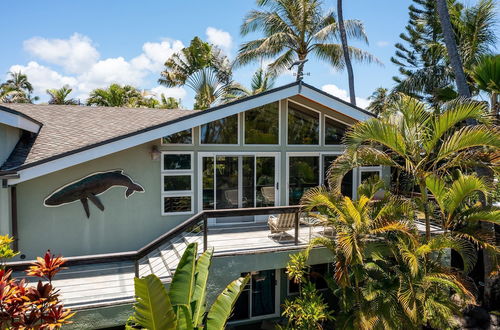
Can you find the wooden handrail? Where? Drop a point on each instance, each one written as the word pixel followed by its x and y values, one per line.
pixel 146 249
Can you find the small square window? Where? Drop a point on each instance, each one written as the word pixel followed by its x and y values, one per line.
pixel 176 162
pixel 177 204
pixel 176 182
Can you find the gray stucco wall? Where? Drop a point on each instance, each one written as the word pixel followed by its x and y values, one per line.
pixel 8 139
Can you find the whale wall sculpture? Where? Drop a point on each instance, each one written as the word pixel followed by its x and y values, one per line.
pixel 91 186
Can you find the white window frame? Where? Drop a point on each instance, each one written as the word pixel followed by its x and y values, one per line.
pixel 222 145
pixel 320 128
pixel 277 300
pixel 180 144
pixel 179 172
pixel 323 141
pixel 364 169
pixel 279 128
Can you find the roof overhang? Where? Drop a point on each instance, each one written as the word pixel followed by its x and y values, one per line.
pixel 16 119
pixel 198 118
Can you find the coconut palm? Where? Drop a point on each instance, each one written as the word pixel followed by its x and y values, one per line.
pixel 114 96
pixel 420 142
pixel 59 96
pixel 294 30
pixel 262 80
pixel 381 100
pixel 17 89
pixel 345 52
pixel 486 75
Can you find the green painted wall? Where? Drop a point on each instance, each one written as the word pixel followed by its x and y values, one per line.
pixel 5 223
pixel 8 139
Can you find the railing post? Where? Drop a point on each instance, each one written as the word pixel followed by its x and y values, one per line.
pixel 205 232
pixel 297 228
pixel 136 267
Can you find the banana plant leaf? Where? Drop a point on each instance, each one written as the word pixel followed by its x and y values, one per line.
pixel 182 286
pixel 152 309
pixel 200 291
pixel 184 321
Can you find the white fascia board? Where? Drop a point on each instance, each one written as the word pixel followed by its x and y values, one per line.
pixel 18 121
pixel 135 140
pixel 330 102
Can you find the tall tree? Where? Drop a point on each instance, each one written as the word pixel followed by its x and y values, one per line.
pixel 114 96
pixel 381 101
pixel 486 76
pixel 59 96
pixel 345 51
pixel 17 89
pixel 294 30
pixel 451 46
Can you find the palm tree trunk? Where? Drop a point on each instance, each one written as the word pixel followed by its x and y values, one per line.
pixel 345 50
pixel 425 204
pixel 451 46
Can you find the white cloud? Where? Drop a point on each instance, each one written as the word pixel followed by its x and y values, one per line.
pixel 43 78
pixel 155 54
pixel 75 55
pixel 342 94
pixel 220 38
pixel 175 92
pixel 382 43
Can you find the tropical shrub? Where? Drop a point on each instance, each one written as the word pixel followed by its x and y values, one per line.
pixel 183 306
pixel 23 306
pixel 6 252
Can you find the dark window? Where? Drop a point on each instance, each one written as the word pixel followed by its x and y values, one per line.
pixel 177 204
pixel 303 175
pixel 182 137
pixel 176 161
pixel 222 131
pixel 262 125
pixel 208 183
pixel 303 125
pixel 317 274
pixel 176 182
pixel 346 186
pixel 334 131
pixel 365 175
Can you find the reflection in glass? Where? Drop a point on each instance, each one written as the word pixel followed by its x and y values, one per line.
pixel 365 175
pixel 208 183
pixel 177 204
pixel 303 125
pixel 182 137
pixel 176 182
pixel 334 131
pixel 265 181
pixel 262 125
pixel 176 161
pixel 303 174
pixel 263 293
pixel 346 187
pixel 248 175
pixel 222 131
pixel 226 178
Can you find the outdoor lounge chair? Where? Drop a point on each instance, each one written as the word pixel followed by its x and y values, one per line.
pixel 280 224
pixel 232 197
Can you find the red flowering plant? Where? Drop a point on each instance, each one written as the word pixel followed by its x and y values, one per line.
pixel 24 306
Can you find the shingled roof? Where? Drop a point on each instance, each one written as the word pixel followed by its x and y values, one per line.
pixel 66 128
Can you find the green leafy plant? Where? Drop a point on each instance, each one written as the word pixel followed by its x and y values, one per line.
pixel 6 252
pixel 183 306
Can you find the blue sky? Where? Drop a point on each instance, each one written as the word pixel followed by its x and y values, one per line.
pixel 89 44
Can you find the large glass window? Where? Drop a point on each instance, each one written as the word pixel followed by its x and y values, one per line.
pixel 182 137
pixel 346 187
pixel 262 125
pixel 177 183
pixel 303 125
pixel 303 175
pixel 334 131
pixel 222 131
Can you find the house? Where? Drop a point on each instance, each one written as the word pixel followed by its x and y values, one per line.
pixel 121 192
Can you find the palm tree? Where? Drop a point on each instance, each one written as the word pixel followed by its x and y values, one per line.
pixel 486 75
pixel 420 142
pixel 114 96
pixel 293 30
pixel 381 100
pixel 451 46
pixel 262 80
pixel 58 96
pixel 345 51
pixel 169 102
pixel 17 89
pixel 203 68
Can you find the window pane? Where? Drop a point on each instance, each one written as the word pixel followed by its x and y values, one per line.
pixel 365 175
pixel 346 187
pixel 177 182
pixel 334 131
pixel 248 176
pixel 208 183
pixel 223 131
pixel 263 293
pixel 182 137
pixel 262 125
pixel 265 181
pixel 177 204
pixel 304 174
pixel 227 192
pixel 303 125
pixel 176 161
